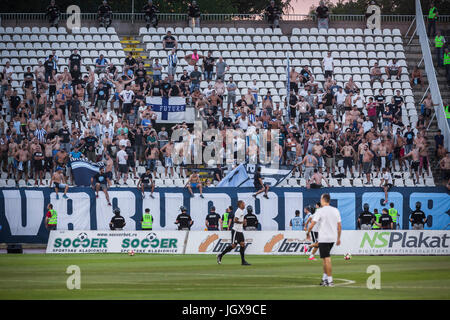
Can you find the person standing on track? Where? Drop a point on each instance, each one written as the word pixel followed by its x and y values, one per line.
pixel 296 223
pixel 330 228
pixel 237 235
pixel 226 220
pixel 212 220
pixel 251 220
pixel 51 218
pixel 366 218
pixel 418 218
pixel 314 233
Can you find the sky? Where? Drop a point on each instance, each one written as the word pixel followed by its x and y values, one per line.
pixel 302 6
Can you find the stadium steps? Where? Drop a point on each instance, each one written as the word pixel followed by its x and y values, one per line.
pixel 413 54
pixel 133 44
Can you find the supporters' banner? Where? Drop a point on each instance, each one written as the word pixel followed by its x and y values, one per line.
pixel 271 176
pixel 409 242
pixel 168 109
pixel 237 177
pixel 83 170
pixel 22 211
pixel 171 242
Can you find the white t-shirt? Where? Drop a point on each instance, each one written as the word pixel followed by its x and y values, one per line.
pixel 122 157
pixel 340 97
pixel 127 96
pixel 387 177
pixel 238 227
pixel 328 63
pixel 358 102
pixel 367 125
pixel 328 218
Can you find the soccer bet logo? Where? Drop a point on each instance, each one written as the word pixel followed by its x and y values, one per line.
pixel 150 244
pixel 280 244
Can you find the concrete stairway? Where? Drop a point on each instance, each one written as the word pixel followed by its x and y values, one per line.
pixel 413 54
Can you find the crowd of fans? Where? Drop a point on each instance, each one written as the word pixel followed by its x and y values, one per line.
pixel 103 116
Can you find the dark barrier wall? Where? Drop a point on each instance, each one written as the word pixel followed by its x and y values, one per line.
pixel 22 211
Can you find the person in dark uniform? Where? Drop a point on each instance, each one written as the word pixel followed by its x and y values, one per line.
pixel 104 13
pixel 273 13
pixel 385 220
pixel 418 218
pixel 117 222
pixel 366 218
pixel 184 221
pixel 212 220
pixel 237 235
pixel 250 220
pixel 150 11
pixel 146 181
pixel 259 185
pixel 53 13
pixel 226 221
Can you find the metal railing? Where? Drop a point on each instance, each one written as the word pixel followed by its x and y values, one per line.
pixel 218 17
pixel 433 85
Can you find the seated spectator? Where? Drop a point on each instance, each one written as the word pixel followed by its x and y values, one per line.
pixel 150 11
pixel 58 180
pixel 393 69
pixel 416 77
pixel 53 12
pixel 100 64
pixel 194 14
pixel 322 16
pixel 104 13
pixel 350 86
pixel 169 41
pixel 273 14
pixel 375 74
pixel 146 182
pixel 101 180
pixel 194 182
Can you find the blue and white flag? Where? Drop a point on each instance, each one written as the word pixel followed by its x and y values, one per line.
pixel 237 177
pixel 171 109
pixel 83 170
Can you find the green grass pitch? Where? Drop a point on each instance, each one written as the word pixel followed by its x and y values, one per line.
pixel 144 276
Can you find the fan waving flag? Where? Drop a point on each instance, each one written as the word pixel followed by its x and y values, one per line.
pixel 171 109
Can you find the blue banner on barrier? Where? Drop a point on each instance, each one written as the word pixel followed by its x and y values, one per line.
pixel 22 211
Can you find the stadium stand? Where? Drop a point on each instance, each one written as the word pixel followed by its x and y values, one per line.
pixel 253 54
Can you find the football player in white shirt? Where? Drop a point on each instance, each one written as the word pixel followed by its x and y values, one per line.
pixel 237 234
pixel 329 220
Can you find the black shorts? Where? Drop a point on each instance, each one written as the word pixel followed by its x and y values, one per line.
pixel 258 186
pixel 315 186
pixel 314 236
pixel 325 248
pixel 415 166
pixel 328 73
pixel 123 168
pixel 388 186
pixel 237 237
pixel 348 162
pixel 213 228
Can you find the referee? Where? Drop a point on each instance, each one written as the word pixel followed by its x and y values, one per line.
pixel 237 235
pixel 329 220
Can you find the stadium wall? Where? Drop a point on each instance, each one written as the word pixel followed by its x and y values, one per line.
pixel 22 211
